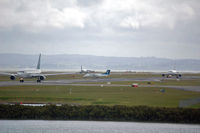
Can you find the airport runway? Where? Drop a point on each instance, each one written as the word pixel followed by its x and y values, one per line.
pixel 71 81
pixel 80 82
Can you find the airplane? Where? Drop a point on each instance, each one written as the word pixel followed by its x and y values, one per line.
pixel 97 75
pixel 35 73
pixel 172 73
pixel 85 70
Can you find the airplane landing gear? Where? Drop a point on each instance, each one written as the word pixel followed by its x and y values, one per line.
pixel 21 80
pixel 38 81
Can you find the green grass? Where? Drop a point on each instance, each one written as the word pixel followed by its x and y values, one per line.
pixel 91 95
pixel 195 106
pixel 4 78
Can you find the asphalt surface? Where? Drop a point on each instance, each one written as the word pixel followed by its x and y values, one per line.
pixel 71 81
pixel 80 82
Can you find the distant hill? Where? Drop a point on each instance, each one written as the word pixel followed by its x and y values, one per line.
pixel 67 61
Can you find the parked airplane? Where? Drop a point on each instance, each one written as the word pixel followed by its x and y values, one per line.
pixel 35 73
pixel 85 70
pixel 172 73
pixel 97 75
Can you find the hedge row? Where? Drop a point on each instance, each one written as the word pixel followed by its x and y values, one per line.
pixel 105 113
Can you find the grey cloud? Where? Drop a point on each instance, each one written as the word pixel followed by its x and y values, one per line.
pixel 87 3
pixel 102 27
pixel 106 14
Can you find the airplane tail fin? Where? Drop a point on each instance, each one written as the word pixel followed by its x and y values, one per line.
pixel 38 65
pixel 107 72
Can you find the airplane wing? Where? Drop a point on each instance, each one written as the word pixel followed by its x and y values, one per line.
pixel 48 74
pixel 43 76
pixel 6 74
pixel 51 74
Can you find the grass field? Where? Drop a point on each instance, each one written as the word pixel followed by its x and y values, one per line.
pixel 92 95
pixel 95 95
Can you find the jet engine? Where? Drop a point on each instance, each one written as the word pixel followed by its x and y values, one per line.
pixel 42 77
pixel 12 77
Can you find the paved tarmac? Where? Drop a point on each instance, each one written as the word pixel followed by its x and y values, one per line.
pixel 80 82
pixel 71 81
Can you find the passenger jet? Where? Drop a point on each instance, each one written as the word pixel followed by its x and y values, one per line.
pixel 35 73
pixel 172 73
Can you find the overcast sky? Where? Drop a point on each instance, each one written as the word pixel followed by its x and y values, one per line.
pixel 127 28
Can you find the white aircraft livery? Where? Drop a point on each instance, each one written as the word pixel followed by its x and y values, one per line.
pixel 35 73
pixel 172 73
pixel 97 75
pixel 85 70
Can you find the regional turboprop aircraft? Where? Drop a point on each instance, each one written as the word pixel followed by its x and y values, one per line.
pixel 85 70
pixel 97 75
pixel 35 73
pixel 172 73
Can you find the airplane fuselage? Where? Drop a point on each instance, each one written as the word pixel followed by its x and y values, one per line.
pixel 28 73
pixel 172 73
pixel 95 75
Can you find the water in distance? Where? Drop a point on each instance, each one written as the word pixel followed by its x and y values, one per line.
pixel 44 126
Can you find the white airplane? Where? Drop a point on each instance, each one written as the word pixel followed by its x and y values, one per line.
pixel 35 73
pixel 85 70
pixel 97 75
pixel 172 73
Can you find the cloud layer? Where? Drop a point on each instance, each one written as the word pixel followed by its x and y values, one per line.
pixel 101 24
pixel 128 13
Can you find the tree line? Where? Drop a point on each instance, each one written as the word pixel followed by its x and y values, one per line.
pixel 100 112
